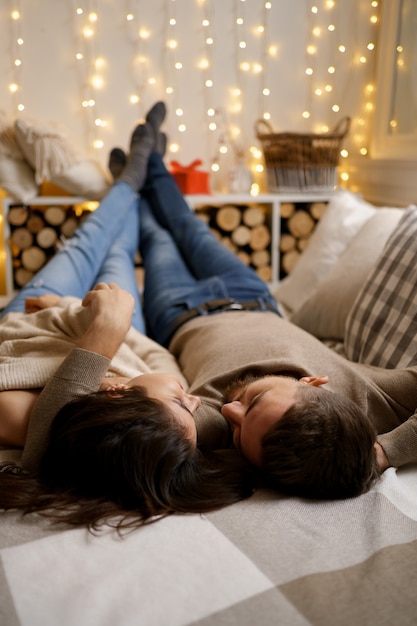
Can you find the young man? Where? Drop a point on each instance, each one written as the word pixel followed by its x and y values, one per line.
pixel 303 414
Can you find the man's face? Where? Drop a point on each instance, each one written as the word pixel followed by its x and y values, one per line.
pixel 256 404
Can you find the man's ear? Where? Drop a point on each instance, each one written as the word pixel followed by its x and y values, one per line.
pixel 315 381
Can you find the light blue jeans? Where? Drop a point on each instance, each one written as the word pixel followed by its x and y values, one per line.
pixel 102 249
pixel 185 265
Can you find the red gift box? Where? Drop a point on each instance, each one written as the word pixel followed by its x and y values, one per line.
pixel 189 179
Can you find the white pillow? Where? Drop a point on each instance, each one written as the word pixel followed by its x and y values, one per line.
pixel 345 215
pixel 17 178
pixel 55 159
pixel 381 328
pixel 324 314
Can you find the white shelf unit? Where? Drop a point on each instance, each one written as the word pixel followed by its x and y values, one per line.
pixel 271 200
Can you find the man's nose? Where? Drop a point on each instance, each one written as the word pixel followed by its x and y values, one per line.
pixel 233 412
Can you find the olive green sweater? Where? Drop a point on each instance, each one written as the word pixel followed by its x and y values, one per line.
pixel 215 350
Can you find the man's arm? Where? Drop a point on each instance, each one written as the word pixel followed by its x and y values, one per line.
pixel 84 368
pixel 399 445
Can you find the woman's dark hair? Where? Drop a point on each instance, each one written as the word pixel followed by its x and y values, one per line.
pixel 123 454
pixel 322 447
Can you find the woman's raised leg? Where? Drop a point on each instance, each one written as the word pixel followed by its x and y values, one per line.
pixel 119 264
pixel 73 269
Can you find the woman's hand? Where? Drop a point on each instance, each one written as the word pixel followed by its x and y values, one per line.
pixel 111 311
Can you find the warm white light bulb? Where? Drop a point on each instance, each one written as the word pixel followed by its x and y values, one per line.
pixel 97 82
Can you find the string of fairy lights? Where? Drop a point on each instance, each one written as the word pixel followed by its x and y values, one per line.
pixel 328 58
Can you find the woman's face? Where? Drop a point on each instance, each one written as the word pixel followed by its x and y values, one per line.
pixel 167 389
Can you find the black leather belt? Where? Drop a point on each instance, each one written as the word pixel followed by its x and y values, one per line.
pixel 221 304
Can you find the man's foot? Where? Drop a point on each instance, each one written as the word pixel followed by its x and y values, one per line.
pixel 161 144
pixel 117 162
pixel 154 117
pixel 142 144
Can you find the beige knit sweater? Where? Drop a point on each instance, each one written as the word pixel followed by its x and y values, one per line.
pixel 32 346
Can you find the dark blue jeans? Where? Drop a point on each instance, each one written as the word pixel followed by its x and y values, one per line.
pixel 185 265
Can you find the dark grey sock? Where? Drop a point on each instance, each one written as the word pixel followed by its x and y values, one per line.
pixel 155 116
pixel 141 145
pixel 161 144
pixel 117 161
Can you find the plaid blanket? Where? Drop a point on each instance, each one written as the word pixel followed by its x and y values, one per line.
pixel 270 560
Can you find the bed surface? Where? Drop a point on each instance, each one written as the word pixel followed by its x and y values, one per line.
pixel 268 560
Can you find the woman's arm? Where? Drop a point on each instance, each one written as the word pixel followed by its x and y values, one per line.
pixel 84 368
pixel 15 409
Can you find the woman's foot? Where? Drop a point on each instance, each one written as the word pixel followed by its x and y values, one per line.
pixel 117 162
pixel 142 143
pixel 155 116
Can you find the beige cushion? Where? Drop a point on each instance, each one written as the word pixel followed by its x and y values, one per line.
pixel 48 149
pixel 381 328
pixel 324 314
pixel 345 215
pixel 17 178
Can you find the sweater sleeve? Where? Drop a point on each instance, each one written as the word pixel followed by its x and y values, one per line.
pixel 400 444
pixel 80 373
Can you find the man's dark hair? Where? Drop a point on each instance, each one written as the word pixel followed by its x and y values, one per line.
pixel 322 447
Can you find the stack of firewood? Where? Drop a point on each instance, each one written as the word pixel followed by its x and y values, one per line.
pixel 245 230
pixel 35 233
pixel 298 221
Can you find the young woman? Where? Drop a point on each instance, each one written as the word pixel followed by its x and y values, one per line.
pixel 124 447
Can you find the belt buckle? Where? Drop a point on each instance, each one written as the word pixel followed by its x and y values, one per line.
pixel 235 306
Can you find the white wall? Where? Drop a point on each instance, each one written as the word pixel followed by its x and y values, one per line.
pixel 52 84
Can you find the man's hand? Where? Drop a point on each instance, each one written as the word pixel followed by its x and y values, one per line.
pixel 111 310
pixel 33 304
pixel 381 457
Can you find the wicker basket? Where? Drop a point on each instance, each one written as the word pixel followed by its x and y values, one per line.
pixel 301 162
